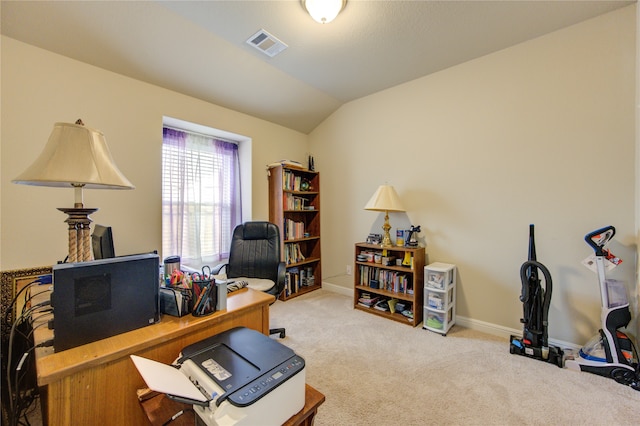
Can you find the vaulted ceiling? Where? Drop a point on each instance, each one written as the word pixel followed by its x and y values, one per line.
pixel 199 48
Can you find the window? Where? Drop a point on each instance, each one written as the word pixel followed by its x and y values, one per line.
pixel 201 202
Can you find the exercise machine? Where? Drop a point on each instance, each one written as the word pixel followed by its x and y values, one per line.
pixel 610 353
pixel 535 299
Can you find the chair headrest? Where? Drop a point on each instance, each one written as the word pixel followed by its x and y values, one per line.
pixel 256 231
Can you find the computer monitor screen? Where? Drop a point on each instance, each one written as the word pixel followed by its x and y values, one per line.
pixel 102 242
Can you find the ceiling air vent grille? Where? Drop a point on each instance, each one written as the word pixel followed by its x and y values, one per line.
pixel 266 43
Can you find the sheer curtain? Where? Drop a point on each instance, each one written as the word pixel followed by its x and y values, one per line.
pixel 200 197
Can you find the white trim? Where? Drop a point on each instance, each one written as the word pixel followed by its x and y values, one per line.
pixel 477 325
pixel 203 130
pixel 338 289
pixel 506 332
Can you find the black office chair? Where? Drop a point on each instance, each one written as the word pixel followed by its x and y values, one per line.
pixel 254 257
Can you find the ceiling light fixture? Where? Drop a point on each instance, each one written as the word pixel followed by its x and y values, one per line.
pixel 323 11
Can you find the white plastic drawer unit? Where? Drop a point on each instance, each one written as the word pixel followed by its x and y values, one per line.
pixel 439 275
pixel 439 297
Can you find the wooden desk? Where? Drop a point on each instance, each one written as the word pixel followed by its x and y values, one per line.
pixel 159 409
pixel 96 383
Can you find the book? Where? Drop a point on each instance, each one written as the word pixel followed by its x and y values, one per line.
pixel 367 301
pixel 287 163
pixel 382 305
pixel 392 305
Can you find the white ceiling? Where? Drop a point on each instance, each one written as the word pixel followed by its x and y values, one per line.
pixel 199 47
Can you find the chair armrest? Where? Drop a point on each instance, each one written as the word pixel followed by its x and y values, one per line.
pixel 190 270
pixel 282 271
pixel 216 269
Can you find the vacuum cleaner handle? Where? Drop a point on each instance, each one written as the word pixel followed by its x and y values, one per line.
pixel 525 273
pixel 532 273
pixel 599 238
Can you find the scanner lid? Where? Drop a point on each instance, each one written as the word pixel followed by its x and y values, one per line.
pixel 240 355
pixel 167 379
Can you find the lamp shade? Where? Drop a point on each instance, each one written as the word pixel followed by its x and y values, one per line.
pixel 323 11
pixel 75 155
pixel 385 199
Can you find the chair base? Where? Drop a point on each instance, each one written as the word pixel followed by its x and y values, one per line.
pixel 280 331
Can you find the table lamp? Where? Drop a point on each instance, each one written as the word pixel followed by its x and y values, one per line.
pixel 385 200
pixel 76 157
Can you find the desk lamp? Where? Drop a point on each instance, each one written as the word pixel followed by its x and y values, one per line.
pixel 385 200
pixel 76 157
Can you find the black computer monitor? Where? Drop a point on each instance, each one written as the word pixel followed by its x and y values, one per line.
pixel 102 242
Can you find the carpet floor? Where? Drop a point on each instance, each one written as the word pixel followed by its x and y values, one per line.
pixel 374 371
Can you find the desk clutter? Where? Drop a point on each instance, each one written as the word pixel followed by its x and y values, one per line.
pixel 197 293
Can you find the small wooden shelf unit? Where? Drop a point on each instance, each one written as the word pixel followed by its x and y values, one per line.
pixel 403 284
pixel 294 205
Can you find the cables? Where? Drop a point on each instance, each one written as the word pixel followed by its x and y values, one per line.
pixel 21 379
pixel 41 280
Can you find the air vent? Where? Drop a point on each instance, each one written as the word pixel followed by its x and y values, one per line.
pixel 266 43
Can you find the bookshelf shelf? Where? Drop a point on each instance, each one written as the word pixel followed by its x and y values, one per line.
pixel 295 240
pixel 289 191
pixel 401 286
pixel 304 262
pixel 294 205
pixel 385 293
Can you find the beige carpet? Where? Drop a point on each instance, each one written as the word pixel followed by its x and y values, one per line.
pixel 378 372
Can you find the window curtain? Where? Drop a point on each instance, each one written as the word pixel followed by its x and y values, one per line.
pixel 200 197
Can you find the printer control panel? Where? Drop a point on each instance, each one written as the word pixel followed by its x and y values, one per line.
pixel 264 384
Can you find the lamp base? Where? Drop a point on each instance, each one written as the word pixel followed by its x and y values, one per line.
pixel 386 238
pixel 80 249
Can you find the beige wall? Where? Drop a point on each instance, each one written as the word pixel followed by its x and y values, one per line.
pixel 542 133
pixel 40 88
pixel 637 298
pixel 539 133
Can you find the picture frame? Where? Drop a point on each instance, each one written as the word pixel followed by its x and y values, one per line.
pixel 11 282
pixel 374 239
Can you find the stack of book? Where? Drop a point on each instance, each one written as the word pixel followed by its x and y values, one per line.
pixel 291 181
pixel 295 203
pixel 293 254
pixel 292 281
pixel 293 230
pixel 367 300
pixel 382 305
pixel 297 277
pixel 374 277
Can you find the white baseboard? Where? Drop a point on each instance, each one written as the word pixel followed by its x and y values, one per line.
pixel 506 332
pixel 337 289
pixel 473 324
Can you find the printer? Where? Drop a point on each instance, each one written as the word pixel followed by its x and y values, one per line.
pixel 238 377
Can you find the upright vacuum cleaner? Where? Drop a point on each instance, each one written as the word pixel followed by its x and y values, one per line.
pixel 535 301
pixel 610 353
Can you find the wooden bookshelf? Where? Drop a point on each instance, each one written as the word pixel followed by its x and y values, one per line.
pixel 294 205
pixel 389 281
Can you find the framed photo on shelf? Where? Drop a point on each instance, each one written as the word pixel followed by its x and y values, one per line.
pixel 374 239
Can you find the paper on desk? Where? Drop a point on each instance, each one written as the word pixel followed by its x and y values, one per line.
pixel 166 379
